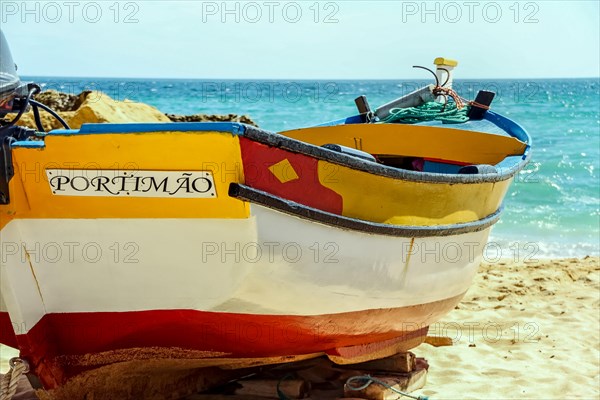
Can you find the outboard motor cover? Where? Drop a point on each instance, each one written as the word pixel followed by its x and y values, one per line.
pixel 10 84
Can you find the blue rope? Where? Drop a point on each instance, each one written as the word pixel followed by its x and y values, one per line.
pixel 369 380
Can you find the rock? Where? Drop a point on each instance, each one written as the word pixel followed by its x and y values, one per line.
pixel 90 107
pixel 98 107
pixel 61 101
pixel 244 119
pixel 48 121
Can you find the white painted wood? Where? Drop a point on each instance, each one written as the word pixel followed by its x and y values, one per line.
pixel 270 263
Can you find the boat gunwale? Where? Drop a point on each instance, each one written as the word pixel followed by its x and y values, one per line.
pixel 286 143
pixel 278 140
pixel 262 198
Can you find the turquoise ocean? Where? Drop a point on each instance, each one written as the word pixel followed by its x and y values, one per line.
pixel 553 207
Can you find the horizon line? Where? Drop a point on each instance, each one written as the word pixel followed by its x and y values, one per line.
pixel 297 79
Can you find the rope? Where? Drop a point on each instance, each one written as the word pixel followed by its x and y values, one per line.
pixel 449 113
pixel 473 103
pixel 442 91
pixel 369 380
pixel 10 381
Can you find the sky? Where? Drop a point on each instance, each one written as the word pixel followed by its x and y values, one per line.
pixel 302 39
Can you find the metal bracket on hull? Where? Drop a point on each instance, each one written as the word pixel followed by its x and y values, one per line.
pixel 6 169
pixel 7 138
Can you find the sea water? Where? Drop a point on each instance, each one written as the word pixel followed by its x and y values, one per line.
pixel 552 208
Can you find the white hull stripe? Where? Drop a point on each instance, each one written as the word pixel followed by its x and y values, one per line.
pixel 269 264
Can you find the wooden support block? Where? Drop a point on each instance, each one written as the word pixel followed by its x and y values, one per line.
pixel 422 363
pixel 345 375
pixel 417 380
pixel 319 375
pixel 439 341
pixel 292 388
pixel 401 362
pixel 316 394
pixel 323 372
pixel 222 397
pixel 407 383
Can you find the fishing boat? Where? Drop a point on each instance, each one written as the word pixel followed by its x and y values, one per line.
pixel 222 244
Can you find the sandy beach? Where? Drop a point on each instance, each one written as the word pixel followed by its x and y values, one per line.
pixel 526 330
pixel 318 200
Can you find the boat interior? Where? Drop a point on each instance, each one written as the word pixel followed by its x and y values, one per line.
pixel 485 146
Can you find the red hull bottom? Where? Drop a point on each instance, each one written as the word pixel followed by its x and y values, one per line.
pixel 62 346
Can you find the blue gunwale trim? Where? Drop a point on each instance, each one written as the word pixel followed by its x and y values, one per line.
pixel 512 128
pixel 136 127
pixel 509 126
pixel 29 144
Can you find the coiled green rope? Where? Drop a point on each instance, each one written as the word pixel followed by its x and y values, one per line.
pixel 431 111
